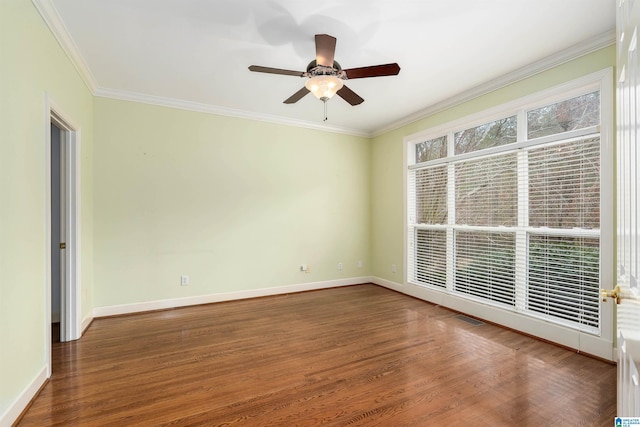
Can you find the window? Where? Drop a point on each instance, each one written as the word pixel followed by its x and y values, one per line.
pixel 575 113
pixel 431 150
pixel 486 191
pixel 493 134
pixel 485 265
pixel 507 211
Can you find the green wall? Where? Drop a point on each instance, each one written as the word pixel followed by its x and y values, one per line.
pixel 32 64
pixel 387 217
pixel 235 204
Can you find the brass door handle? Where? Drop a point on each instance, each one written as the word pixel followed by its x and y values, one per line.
pixel 613 293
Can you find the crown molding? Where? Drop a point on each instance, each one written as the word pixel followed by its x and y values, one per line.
pixel 588 46
pixel 51 17
pixel 220 111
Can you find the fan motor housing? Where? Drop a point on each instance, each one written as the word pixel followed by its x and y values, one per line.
pixel 313 69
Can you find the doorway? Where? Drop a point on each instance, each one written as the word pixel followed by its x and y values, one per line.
pixel 63 284
pixel 58 220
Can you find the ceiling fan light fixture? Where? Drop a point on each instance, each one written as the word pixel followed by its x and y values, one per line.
pixel 324 87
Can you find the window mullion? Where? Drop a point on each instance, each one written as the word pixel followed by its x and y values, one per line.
pixel 523 216
pixel 521 234
pixel 451 218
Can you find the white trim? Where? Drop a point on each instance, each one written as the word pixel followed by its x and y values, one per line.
pixel 72 139
pixel 408 157
pixel 20 403
pixel 565 90
pixel 85 323
pixel 73 230
pixel 51 17
pixel 589 46
pixel 47 233
pixel 557 139
pixel 394 286
pixel 221 111
pixel 583 342
pixel 608 218
pixel 601 345
pixel 227 296
pixel 54 113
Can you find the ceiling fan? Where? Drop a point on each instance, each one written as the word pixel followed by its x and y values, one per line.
pixel 326 77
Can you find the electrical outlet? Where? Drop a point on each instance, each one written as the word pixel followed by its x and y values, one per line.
pixel 393 268
pixel 184 280
pixel 339 266
pixel 359 263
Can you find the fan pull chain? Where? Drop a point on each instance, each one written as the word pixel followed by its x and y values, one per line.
pixel 325 111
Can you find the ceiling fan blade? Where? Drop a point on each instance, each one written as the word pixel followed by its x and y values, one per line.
pixel 297 96
pixel 325 49
pixel 350 96
pixel 259 69
pixel 373 71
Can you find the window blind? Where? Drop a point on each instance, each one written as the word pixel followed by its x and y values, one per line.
pixel 431 257
pixel 564 270
pixel 563 279
pixel 485 265
pixel 431 195
pixel 486 191
pixel 427 247
pixel 564 185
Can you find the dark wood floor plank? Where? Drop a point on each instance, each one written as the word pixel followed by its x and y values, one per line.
pixel 359 355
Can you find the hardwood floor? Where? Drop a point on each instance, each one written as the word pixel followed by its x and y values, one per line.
pixel 359 355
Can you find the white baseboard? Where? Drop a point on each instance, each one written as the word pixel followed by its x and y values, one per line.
pixel 113 310
pixel 15 409
pixel 85 324
pixel 388 284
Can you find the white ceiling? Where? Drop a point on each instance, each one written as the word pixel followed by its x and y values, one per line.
pixel 195 53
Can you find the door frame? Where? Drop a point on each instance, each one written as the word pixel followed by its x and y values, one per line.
pixel 70 319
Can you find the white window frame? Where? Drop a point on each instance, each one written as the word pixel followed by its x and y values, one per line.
pixel 600 345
